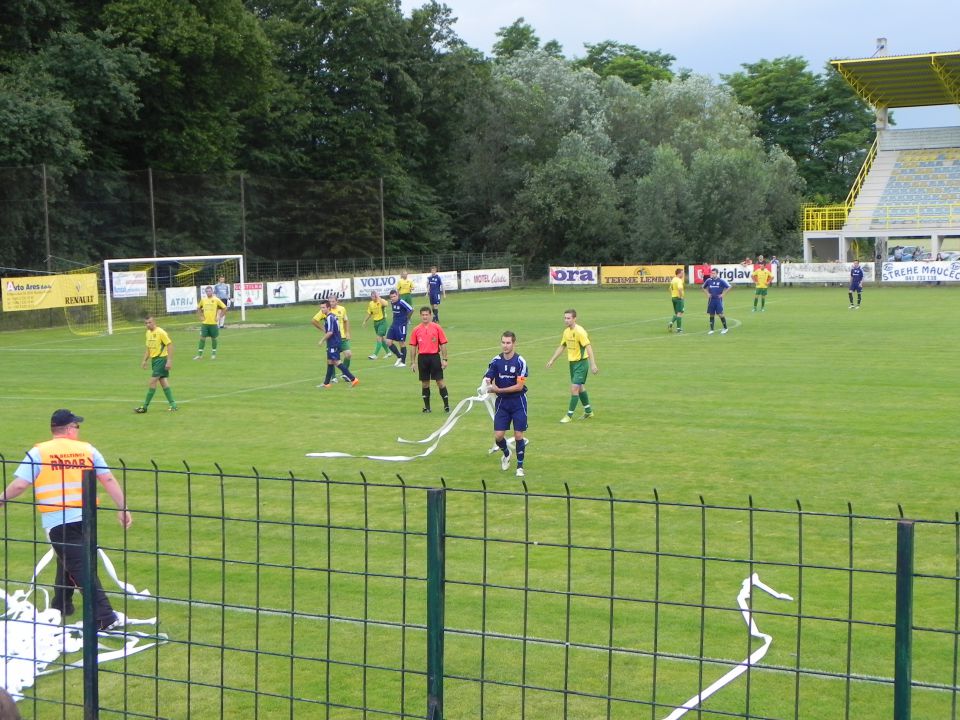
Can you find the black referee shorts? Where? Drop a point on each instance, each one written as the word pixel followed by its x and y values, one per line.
pixel 429 367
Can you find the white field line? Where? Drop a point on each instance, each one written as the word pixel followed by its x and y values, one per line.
pixel 822 674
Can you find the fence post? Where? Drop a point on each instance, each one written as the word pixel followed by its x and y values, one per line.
pixel 88 526
pixel 436 578
pixel 904 621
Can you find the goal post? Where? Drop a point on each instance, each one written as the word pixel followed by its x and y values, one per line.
pixel 191 265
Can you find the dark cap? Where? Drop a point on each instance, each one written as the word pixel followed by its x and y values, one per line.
pixel 62 418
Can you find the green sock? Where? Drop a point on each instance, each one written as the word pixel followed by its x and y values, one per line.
pixel 169 393
pixel 573 404
pixel 213 344
pixel 679 322
pixel 376 348
pixel 150 393
pixel 585 399
pixel 345 365
pixel 200 347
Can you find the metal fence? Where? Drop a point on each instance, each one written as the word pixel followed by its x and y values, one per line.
pixel 317 598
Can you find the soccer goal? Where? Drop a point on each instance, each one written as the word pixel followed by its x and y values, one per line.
pixel 137 287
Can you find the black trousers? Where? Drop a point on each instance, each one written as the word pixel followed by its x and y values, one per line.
pixel 66 541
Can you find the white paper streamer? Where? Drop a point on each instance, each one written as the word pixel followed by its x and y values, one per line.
pixel 433 439
pixel 755 656
pixel 32 639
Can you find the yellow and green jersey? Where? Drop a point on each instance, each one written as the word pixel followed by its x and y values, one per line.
pixel 404 287
pixel 375 310
pixel 576 340
pixel 209 306
pixel 341 312
pixel 676 287
pixel 157 341
pixel 762 277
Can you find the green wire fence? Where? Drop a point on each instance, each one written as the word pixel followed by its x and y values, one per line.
pixel 320 598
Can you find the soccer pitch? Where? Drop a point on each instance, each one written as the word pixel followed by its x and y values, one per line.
pixel 808 401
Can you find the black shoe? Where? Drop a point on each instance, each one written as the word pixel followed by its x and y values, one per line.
pixel 426 410
pixel 108 623
pixel 446 409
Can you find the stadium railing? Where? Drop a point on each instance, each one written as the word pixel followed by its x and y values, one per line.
pixel 308 598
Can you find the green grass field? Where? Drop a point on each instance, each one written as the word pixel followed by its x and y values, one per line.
pixel 808 401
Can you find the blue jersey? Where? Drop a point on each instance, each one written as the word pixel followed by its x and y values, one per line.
pixel 505 373
pixel 401 311
pixel 434 286
pixel 715 286
pixel 856 276
pixel 332 325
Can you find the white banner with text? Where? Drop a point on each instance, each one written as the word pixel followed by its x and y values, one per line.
pixel 832 272
pixel 181 299
pixel 943 271
pixel 479 279
pixel 573 275
pixel 323 289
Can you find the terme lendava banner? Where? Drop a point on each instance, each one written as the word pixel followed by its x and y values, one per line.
pixel 637 274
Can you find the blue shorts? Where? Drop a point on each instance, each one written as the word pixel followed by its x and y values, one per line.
pixel 510 410
pixel 434 300
pixel 856 287
pixel 715 306
pixel 397 332
pixel 333 353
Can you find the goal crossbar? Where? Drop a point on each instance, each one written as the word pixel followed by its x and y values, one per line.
pixel 108 282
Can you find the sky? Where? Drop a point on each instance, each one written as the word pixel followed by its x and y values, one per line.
pixel 714 37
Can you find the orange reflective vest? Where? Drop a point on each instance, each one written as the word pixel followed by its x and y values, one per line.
pixel 60 482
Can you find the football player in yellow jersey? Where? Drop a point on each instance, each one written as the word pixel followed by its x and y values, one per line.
pixel 344 322
pixel 376 313
pixel 676 296
pixel 405 288
pixel 762 276
pixel 160 354
pixel 210 308
pixel 579 351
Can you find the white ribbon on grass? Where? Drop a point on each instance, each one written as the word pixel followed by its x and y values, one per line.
pixel 755 657
pixel 433 439
pixel 32 639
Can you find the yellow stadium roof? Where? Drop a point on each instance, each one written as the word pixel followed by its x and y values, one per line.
pixel 901 81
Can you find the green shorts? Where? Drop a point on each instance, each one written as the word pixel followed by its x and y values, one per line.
pixel 210 331
pixel 761 291
pixel 159 367
pixel 344 345
pixel 408 298
pixel 677 305
pixel 578 371
pixel 380 327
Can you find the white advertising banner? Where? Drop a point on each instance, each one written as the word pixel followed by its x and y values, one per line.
pixel 281 293
pixel 733 274
pixel 130 284
pixel 251 294
pixel 479 279
pixel 383 284
pixel 573 275
pixel 449 279
pixel 322 289
pixel 942 271
pixel 181 299
pixel 833 272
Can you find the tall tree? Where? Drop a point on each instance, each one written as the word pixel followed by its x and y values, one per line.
pixel 817 119
pixel 628 62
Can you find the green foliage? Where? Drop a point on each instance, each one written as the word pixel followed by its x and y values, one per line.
pixel 515 38
pixel 817 119
pixel 634 66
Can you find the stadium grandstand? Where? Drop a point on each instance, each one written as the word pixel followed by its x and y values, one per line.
pixel 907 194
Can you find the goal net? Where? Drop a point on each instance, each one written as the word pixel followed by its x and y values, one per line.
pixel 138 287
